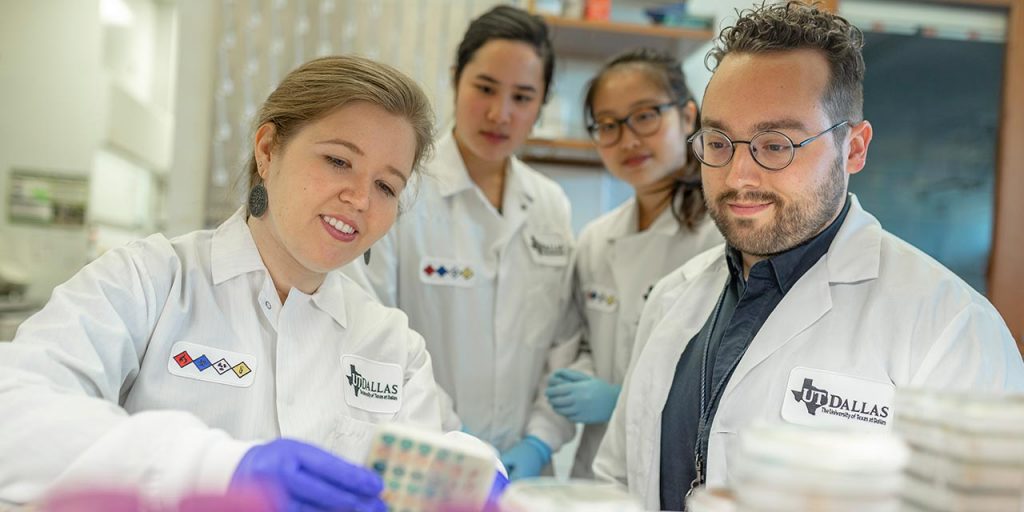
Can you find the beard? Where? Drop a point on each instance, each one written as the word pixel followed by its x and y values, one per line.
pixel 793 222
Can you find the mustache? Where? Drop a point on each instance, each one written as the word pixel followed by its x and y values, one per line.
pixel 750 196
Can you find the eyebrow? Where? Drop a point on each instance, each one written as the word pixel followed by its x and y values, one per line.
pixel 646 102
pixel 774 124
pixel 489 79
pixel 355 149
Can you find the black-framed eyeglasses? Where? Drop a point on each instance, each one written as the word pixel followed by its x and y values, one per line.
pixel 643 121
pixel 771 149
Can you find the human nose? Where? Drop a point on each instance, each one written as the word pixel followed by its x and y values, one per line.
pixel 628 138
pixel 356 192
pixel 742 171
pixel 500 111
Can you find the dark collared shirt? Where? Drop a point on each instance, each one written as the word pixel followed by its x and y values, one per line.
pixel 746 305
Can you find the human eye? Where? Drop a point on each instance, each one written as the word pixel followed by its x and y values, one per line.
pixel 522 98
pixel 644 115
pixel 770 142
pixel 340 163
pixel 386 188
pixel 484 88
pixel 607 126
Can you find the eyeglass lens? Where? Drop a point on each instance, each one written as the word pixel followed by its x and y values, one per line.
pixel 643 122
pixel 771 149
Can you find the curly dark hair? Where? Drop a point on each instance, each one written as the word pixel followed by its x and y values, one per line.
pixel 794 26
pixel 666 71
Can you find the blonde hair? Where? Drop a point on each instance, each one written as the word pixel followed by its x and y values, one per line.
pixel 323 85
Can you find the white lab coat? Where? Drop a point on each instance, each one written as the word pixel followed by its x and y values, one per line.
pixel 496 327
pixel 616 267
pixel 873 308
pixel 91 394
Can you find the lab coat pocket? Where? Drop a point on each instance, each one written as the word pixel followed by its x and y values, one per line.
pixel 547 247
pixel 723 448
pixel 352 438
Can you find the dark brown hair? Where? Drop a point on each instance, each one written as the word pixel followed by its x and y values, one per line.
pixel 509 23
pixel 687 195
pixel 794 26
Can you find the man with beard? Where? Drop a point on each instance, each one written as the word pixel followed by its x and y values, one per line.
pixel 811 313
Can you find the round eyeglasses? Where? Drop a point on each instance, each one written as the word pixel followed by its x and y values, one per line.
pixel 643 121
pixel 770 149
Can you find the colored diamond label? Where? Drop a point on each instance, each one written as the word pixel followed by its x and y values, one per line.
pixel 241 369
pixel 183 359
pixel 222 366
pixel 203 362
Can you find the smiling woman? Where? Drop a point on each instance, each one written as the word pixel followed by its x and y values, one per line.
pixel 167 364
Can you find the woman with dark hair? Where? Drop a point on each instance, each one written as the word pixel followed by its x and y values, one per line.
pixel 639 112
pixel 481 261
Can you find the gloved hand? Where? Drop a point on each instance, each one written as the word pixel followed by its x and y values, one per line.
pixel 498 487
pixel 527 458
pixel 307 478
pixel 580 397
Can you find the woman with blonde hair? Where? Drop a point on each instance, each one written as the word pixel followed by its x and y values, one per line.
pixel 176 365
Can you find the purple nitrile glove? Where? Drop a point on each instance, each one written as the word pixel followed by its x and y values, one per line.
pixel 305 477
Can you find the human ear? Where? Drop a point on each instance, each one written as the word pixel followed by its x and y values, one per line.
pixel 688 117
pixel 857 152
pixel 264 142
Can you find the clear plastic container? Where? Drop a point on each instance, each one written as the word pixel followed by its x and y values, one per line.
pixel 787 467
pixel 943 498
pixel 551 495
pixel 969 476
pixel 966 426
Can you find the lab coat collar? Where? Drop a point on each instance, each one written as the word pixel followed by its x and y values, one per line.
pixel 330 298
pixel 233 250
pixel 624 223
pixel 453 177
pixel 234 253
pixel 787 267
pixel 450 171
pixel 855 254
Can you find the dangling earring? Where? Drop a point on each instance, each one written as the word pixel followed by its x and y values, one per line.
pixel 366 257
pixel 258 200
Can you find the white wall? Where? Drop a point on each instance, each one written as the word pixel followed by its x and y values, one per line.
pixel 50 97
pixel 195 61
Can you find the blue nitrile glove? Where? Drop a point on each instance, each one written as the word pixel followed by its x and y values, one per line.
pixel 527 458
pixel 580 397
pixel 498 487
pixel 308 478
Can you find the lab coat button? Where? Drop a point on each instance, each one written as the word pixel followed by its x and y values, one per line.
pixel 267 304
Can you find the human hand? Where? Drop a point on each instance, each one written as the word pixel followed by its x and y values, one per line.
pixel 307 478
pixel 526 459
pixel 498 487
pixel 580 397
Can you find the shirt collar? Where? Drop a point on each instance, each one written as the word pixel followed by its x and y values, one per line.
pixel 233 251
pixel 330 298
pixel 453 177
pixel 788 267
pixel 451 172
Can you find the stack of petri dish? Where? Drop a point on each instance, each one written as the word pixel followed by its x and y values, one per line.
pixel 966 451
pixel 548 494
pixel 785 468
